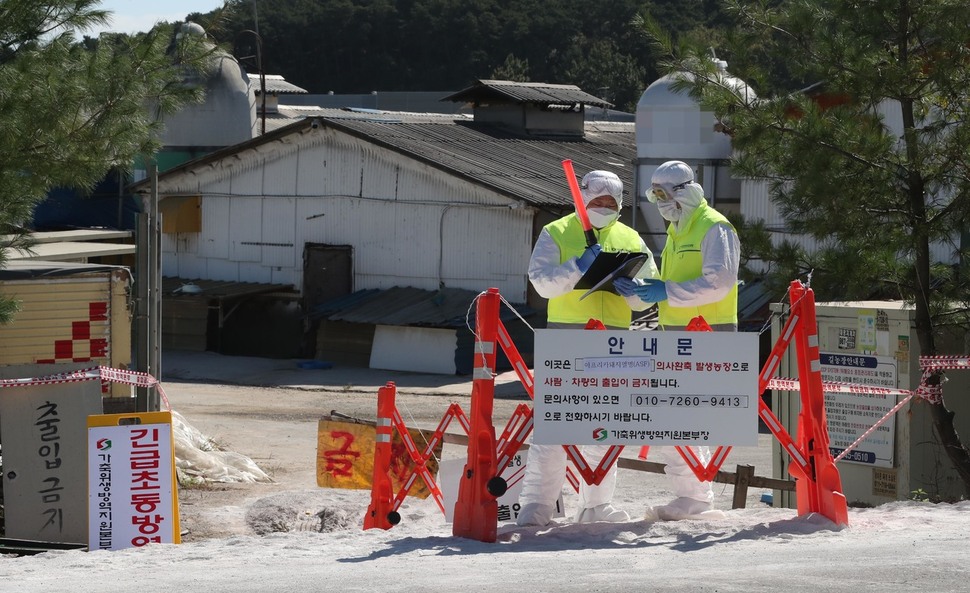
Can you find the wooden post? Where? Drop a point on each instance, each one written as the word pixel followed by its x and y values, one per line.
pixel 742 481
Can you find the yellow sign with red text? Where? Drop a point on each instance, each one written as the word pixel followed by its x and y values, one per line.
pixel 345 457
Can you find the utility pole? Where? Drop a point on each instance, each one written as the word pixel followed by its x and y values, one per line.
pixel 262 75
pixel 255 18
pixel 148 302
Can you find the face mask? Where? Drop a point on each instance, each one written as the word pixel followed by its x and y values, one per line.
pixel 601 217
pixel 670 210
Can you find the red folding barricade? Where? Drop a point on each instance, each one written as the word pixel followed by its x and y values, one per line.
pixel 704 473
pixel 818 485
pixel 381 513
pixel 476 511
pixel 383 510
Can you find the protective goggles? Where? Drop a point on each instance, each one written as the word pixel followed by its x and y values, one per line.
pixel 659 194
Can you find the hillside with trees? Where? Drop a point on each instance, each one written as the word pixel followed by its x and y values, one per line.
pixel 359 46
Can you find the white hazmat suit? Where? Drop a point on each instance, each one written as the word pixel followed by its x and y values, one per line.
pixel 546 464
pixel 677 197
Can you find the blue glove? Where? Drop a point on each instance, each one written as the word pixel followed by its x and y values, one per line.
pixel 625 286
pixel 652 291
pixel 586 259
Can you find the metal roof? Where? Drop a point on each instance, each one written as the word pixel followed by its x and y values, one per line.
pixel 404 306
pixel 25 269
pixel 527 168
pixel 70 251
pixel 276 84
pixel 753 305
pixel 76 235
pixel 506 91
pixel 523 167
pixel 218 289
pixel 413 101
pixel 453 307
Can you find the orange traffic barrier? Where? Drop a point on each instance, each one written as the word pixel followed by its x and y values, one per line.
pixel 818 484
pixel 381 513
pixel 476 511
pixel 472 515
pixel 703 473
pixel 591 475
pixel 818 491
pixel 383 510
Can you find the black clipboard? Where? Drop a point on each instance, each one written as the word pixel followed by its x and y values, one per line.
pixel 608 266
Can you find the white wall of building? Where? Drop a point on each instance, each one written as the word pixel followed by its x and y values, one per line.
pixel 671 125
pixel 409 224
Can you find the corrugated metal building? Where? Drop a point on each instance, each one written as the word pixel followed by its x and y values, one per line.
pixel 344 200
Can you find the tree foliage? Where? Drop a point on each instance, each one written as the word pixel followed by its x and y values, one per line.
pixel 70 111
pixel 871 160
pixel 359 46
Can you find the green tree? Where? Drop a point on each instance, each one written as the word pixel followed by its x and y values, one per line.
pixel 71 111
pixel 358 46
pixel 872 161
pixel 599 68
pixel 512 69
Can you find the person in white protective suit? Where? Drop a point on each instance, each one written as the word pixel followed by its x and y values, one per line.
pixel 698 276
pixel 559 259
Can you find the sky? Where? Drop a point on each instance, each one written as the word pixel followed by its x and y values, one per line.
pixel 132 16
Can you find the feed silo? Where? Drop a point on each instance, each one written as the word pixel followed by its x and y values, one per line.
pixel 670 125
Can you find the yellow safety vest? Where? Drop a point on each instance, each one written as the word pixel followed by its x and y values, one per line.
pixel 609 308
pixel 682 261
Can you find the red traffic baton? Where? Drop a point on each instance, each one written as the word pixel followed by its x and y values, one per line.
pixel 567 166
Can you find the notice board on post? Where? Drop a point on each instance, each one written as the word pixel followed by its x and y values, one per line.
pixel 132 490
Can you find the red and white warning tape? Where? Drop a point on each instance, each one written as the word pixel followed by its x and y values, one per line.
pixel 941 363
pixel 929 364
pixel 833 387
pixel 68 377
pixel 931 393
pixel 100 373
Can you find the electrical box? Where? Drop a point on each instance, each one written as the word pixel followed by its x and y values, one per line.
pixel 874 343
pixel 45 482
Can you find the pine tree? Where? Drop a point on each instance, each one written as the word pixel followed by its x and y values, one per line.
pixel 871 159
pixel 72 110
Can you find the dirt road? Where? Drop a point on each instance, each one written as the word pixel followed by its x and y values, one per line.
pixel 276 427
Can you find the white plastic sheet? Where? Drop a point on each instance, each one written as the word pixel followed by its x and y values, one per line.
pixel 197 457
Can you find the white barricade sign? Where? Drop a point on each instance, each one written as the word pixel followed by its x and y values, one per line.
pixel 449 477
pixel 615 387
